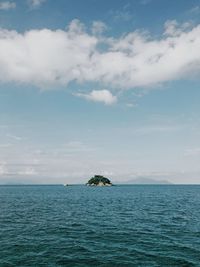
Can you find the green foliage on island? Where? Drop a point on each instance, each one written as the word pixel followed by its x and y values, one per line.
pixel 99 180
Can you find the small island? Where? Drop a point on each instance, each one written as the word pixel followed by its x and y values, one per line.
pixel 99 180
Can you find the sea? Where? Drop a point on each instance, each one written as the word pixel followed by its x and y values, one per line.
pixel 123 225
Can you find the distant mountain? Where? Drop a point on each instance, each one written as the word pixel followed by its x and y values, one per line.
pixel 144 180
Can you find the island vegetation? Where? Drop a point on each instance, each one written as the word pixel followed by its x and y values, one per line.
pixel 99 180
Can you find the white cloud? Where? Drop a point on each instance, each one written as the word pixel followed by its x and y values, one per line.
pixel 98 27
pixel 5 145
pixel 6 5
pixel 173 28
pixel 131 105
pixel 47 57
pixel 158 129
pixel 28 171
pixel 3 169
pixel 192 152
pixel 123 15
pixel 76 146
pixel 36 3
pixel 145 2
pixel 195 10
pixel 104 96
pixel 14 137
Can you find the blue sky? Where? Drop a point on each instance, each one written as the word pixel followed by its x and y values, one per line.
pixel 92 86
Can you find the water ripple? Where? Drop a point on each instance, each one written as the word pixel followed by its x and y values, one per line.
pixel 116 226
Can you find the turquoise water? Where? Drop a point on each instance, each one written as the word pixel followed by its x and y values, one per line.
pixel 94 226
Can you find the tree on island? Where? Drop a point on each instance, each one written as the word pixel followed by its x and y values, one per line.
pixel 99 180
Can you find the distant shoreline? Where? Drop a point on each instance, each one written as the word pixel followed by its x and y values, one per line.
pixel 116 184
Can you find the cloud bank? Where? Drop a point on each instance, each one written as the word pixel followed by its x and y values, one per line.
pixel 46 58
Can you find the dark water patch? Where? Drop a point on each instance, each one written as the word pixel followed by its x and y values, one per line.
pixel 115 226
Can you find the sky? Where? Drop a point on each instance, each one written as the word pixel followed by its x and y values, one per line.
pixel 99 87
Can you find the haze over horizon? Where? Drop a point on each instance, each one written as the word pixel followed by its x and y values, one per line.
pixel 99 87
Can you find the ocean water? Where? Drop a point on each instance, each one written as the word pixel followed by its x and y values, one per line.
pixel 93 226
